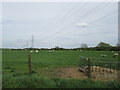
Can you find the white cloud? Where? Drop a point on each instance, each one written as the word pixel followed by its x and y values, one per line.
pixel 82 25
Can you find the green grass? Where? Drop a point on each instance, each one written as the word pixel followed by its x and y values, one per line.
pixel 35 81
pixel 15 63
pixel 17 60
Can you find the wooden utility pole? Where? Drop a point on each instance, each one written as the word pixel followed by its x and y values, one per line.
pixel 29 64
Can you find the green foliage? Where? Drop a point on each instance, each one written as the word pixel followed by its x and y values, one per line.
pixel 103 46
pixel 113 84
pixel 34 81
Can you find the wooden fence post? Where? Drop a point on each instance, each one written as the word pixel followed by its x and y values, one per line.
pixel 89 68
pixel 118 71
pixel 110 67
pixel 29 64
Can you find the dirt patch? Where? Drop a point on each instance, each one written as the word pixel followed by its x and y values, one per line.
pixel 70 72
pixel 73 72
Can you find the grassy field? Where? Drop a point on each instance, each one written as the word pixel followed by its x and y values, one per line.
pixel 15 68
pixel 34 81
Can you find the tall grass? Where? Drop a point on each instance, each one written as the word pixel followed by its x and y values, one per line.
pixel 34 81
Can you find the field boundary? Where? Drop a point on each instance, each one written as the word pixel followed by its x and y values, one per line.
pixel 101 68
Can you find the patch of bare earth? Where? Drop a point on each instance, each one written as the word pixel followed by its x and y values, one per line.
pixel 69 72
pixel 73 72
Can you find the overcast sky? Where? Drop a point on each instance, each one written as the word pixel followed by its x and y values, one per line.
pixel 64 24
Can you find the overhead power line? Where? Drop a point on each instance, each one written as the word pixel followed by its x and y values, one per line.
pixel 101 18
pixel 72 12
pixel 55 19
pixel 88 14
pixel 57 32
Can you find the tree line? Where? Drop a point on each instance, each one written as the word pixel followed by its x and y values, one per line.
pixel 102 46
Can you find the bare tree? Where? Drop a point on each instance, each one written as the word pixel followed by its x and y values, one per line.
pixel 83 46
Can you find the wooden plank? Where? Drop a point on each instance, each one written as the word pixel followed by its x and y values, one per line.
pixel 82 69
